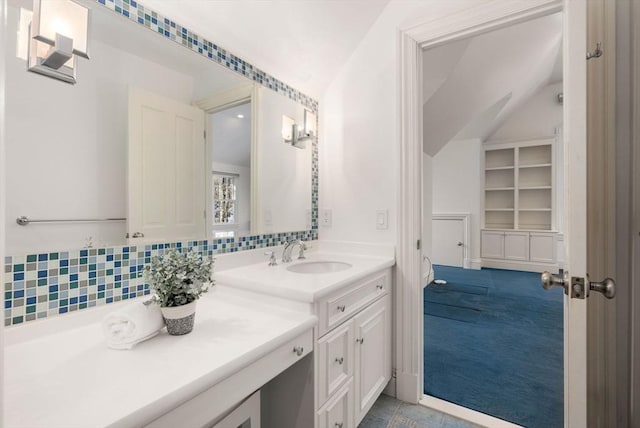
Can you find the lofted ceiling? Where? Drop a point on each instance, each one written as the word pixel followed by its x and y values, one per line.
pixel 471 86
pixel 303 43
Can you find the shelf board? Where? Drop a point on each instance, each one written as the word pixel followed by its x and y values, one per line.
pixel 535 209
pixel 536 188
pixel 496 189
pixel 499 168
pixel 499 209
pixel 537 165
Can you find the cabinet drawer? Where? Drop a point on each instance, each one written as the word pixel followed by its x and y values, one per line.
pixel 338 412
pixel 342 305
pixel 335 358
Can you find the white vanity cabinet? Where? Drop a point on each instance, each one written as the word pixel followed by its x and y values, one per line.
pixel 353 358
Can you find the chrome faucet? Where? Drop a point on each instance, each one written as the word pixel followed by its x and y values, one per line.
pixel 288 248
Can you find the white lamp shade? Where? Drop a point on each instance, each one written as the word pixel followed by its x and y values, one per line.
pixel 309 123
pixel 66 17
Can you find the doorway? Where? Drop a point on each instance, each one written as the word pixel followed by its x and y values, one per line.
pixel 492 111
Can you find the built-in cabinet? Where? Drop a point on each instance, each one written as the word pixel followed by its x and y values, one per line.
pixel 353 358
pixel 519 216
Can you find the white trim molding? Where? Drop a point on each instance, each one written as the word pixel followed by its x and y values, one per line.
pixel 409 312
pixel 466 414
pixel 466 222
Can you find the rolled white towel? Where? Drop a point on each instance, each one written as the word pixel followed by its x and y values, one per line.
pixel 132 324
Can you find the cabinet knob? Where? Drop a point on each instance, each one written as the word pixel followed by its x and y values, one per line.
pixel 340 360
pixel 380 287
pixel 360 341
pixel 298 350
pixel 338 425
pixel 341 308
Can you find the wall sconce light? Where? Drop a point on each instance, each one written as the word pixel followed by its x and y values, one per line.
pixel 58 32
pixel 292 134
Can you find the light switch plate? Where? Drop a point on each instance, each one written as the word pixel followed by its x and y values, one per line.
pixel 325 217
pixel 382 219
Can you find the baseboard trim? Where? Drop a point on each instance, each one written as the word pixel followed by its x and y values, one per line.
pixel 476 264
pixel 464 413
pixel 407 387
pixel 523 266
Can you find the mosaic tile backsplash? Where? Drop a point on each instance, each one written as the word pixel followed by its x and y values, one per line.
pixel 43 285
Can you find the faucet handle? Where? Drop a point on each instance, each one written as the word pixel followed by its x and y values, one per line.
pixel 303 248
pixel 272 258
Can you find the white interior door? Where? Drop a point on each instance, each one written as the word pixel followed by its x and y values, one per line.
pixel 166 195
pixel 575 198
pixel 448 242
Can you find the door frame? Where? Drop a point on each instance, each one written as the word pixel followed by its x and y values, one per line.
pixel 410 43
pixel 249 93
pixel 465 218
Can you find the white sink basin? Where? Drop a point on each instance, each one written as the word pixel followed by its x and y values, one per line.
pixel 319 267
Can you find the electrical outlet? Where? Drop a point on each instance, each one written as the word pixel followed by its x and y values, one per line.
pixel 325 217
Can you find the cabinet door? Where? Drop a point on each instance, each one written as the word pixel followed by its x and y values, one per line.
pixel 335 356
pixel 492 245
pixel 516 246
pixel 373 354
pixel 542 247
pixel 338 412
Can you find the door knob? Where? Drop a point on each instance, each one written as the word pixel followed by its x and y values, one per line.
pixel 606 287
pixel 550 280
pixel 459 244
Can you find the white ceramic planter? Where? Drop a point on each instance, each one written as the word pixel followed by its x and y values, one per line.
pixel 179 319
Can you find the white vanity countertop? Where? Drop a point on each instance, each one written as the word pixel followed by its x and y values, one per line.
pixel 278 281
pixel 71 379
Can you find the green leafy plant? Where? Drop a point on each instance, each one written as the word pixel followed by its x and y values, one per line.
pixel 178 278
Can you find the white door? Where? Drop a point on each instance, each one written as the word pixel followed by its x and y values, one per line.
pixel 448 242
pixel 166 199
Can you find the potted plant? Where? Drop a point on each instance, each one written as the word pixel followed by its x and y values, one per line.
pixel 178 280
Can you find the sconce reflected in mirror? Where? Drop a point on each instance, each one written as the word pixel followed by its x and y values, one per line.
pixel 297 136
pixel 58 32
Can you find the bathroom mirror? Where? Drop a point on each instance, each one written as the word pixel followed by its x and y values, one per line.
pixel 100 149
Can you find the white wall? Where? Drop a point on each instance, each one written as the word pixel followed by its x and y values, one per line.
pixel 284 187
pixel 359 144
pixel 536 118
pixel 457 186
pixel 67 145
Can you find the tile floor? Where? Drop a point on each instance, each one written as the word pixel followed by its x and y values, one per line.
pixel 388 412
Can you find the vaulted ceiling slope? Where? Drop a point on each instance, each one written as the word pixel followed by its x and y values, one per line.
pixel 471 86
pixel 303 43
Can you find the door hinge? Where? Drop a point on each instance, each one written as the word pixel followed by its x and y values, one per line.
pixel 204 133
pixel 418 244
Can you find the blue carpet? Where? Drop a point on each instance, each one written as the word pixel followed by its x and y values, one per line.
pixel 493 343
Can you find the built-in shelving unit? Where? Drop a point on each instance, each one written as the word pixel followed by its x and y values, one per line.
pixel 518 226
pixel 518 182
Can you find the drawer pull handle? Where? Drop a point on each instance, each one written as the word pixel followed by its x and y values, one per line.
pixel 338 424
pixel 341 308
pixel 340 360
pixel 299 350
pixel 380 287
pixel 360 341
